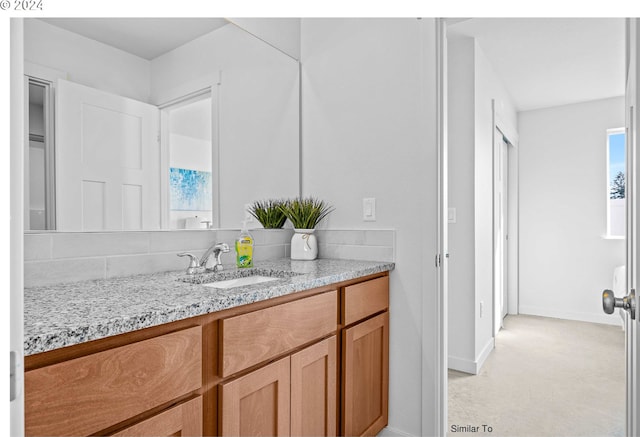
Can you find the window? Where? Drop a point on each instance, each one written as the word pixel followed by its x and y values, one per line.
pixel 616 172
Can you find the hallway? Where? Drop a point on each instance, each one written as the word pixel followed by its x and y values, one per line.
pixel 546 377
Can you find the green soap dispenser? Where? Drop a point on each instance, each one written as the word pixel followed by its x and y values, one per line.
pixel 244 248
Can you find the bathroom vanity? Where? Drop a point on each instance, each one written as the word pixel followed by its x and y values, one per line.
pixel 164 354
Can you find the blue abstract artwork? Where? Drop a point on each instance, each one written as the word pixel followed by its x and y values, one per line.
pixel 190 190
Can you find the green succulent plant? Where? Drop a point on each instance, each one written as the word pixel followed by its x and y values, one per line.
pixel 268 213
pixel 305 213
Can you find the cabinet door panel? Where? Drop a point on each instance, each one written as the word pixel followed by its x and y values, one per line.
pixel 257 404
pixel 88 394
pixel 366 376
pixel 314 390
pixel 184 420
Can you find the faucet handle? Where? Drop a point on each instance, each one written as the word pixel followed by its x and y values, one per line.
pixel 224 247
pixel 194 264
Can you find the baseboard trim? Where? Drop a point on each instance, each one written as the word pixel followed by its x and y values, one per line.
pixel 484 354
pixel 461 365
pixel 389 431
pixel 613 319
pixel 472 367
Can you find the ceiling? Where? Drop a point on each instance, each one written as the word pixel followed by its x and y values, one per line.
pixel 542 62
pixel 545 62
pixel 147 38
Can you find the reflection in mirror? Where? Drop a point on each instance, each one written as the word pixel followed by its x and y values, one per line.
pixel 175 134
pixel 190 181
pixel 39 179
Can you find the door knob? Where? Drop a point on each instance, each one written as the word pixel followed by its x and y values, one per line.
pixel 610 302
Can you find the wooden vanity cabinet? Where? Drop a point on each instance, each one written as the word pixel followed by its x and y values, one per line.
pixel 295 395
pixel 365 358
pixel 314 363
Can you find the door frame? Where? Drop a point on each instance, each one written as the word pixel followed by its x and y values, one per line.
pixel 509 133
pixel 442 255
pixel 632 331
pixel 13 229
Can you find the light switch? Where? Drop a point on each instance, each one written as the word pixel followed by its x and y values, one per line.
pixel 369 209
pixel 451 215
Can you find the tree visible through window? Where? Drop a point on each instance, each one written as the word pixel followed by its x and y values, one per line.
pixel 616 167
pixel 617 187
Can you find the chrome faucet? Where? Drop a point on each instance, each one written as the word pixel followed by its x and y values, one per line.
pixel 217 250
pixel 200 265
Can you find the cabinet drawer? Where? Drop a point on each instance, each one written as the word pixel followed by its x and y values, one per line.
pixel 364 299
pixel 85 395
pixel 182 420
pixel 248 339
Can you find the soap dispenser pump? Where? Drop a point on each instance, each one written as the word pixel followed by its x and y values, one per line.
pixel 244 248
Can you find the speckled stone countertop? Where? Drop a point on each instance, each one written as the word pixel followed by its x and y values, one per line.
pixel 72 313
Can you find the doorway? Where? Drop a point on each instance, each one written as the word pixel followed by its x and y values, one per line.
pixel 561 173
pixel 188 162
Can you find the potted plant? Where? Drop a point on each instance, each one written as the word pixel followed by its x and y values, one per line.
pixel 268 213
pixel 305 214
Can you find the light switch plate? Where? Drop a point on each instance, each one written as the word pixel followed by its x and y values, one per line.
pixel 369 209
pixel 451 215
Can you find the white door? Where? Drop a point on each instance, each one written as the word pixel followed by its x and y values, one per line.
pixel 501 195
pixel 504 226
pixel 107 161
pixel 633 158
pixel 629 302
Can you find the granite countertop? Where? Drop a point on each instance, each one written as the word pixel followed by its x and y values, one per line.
pixel 67 314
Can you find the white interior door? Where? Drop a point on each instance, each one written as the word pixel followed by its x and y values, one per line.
pixel 107 161
pixel 500 218
pixel 504 226
pixel 633 157
pixel 630 301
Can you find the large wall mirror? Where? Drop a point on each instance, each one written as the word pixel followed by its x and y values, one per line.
pixel 163 123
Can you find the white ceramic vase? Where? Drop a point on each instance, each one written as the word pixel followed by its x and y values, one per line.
pixel 304 245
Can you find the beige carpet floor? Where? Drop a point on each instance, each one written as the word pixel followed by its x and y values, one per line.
pixel 545 377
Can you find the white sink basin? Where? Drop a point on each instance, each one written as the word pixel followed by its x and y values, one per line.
pixel 240 282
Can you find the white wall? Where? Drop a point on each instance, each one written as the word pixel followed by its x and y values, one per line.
pixel 462 306
pixel 488 87
pixel 259 88
pixel 565 262
pixel 473 84
pixel 87 61
pixel 368 111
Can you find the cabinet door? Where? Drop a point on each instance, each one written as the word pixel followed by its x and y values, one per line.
pixel 182 420
pixel 314 390
pixel 257 404
pixel 365 376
